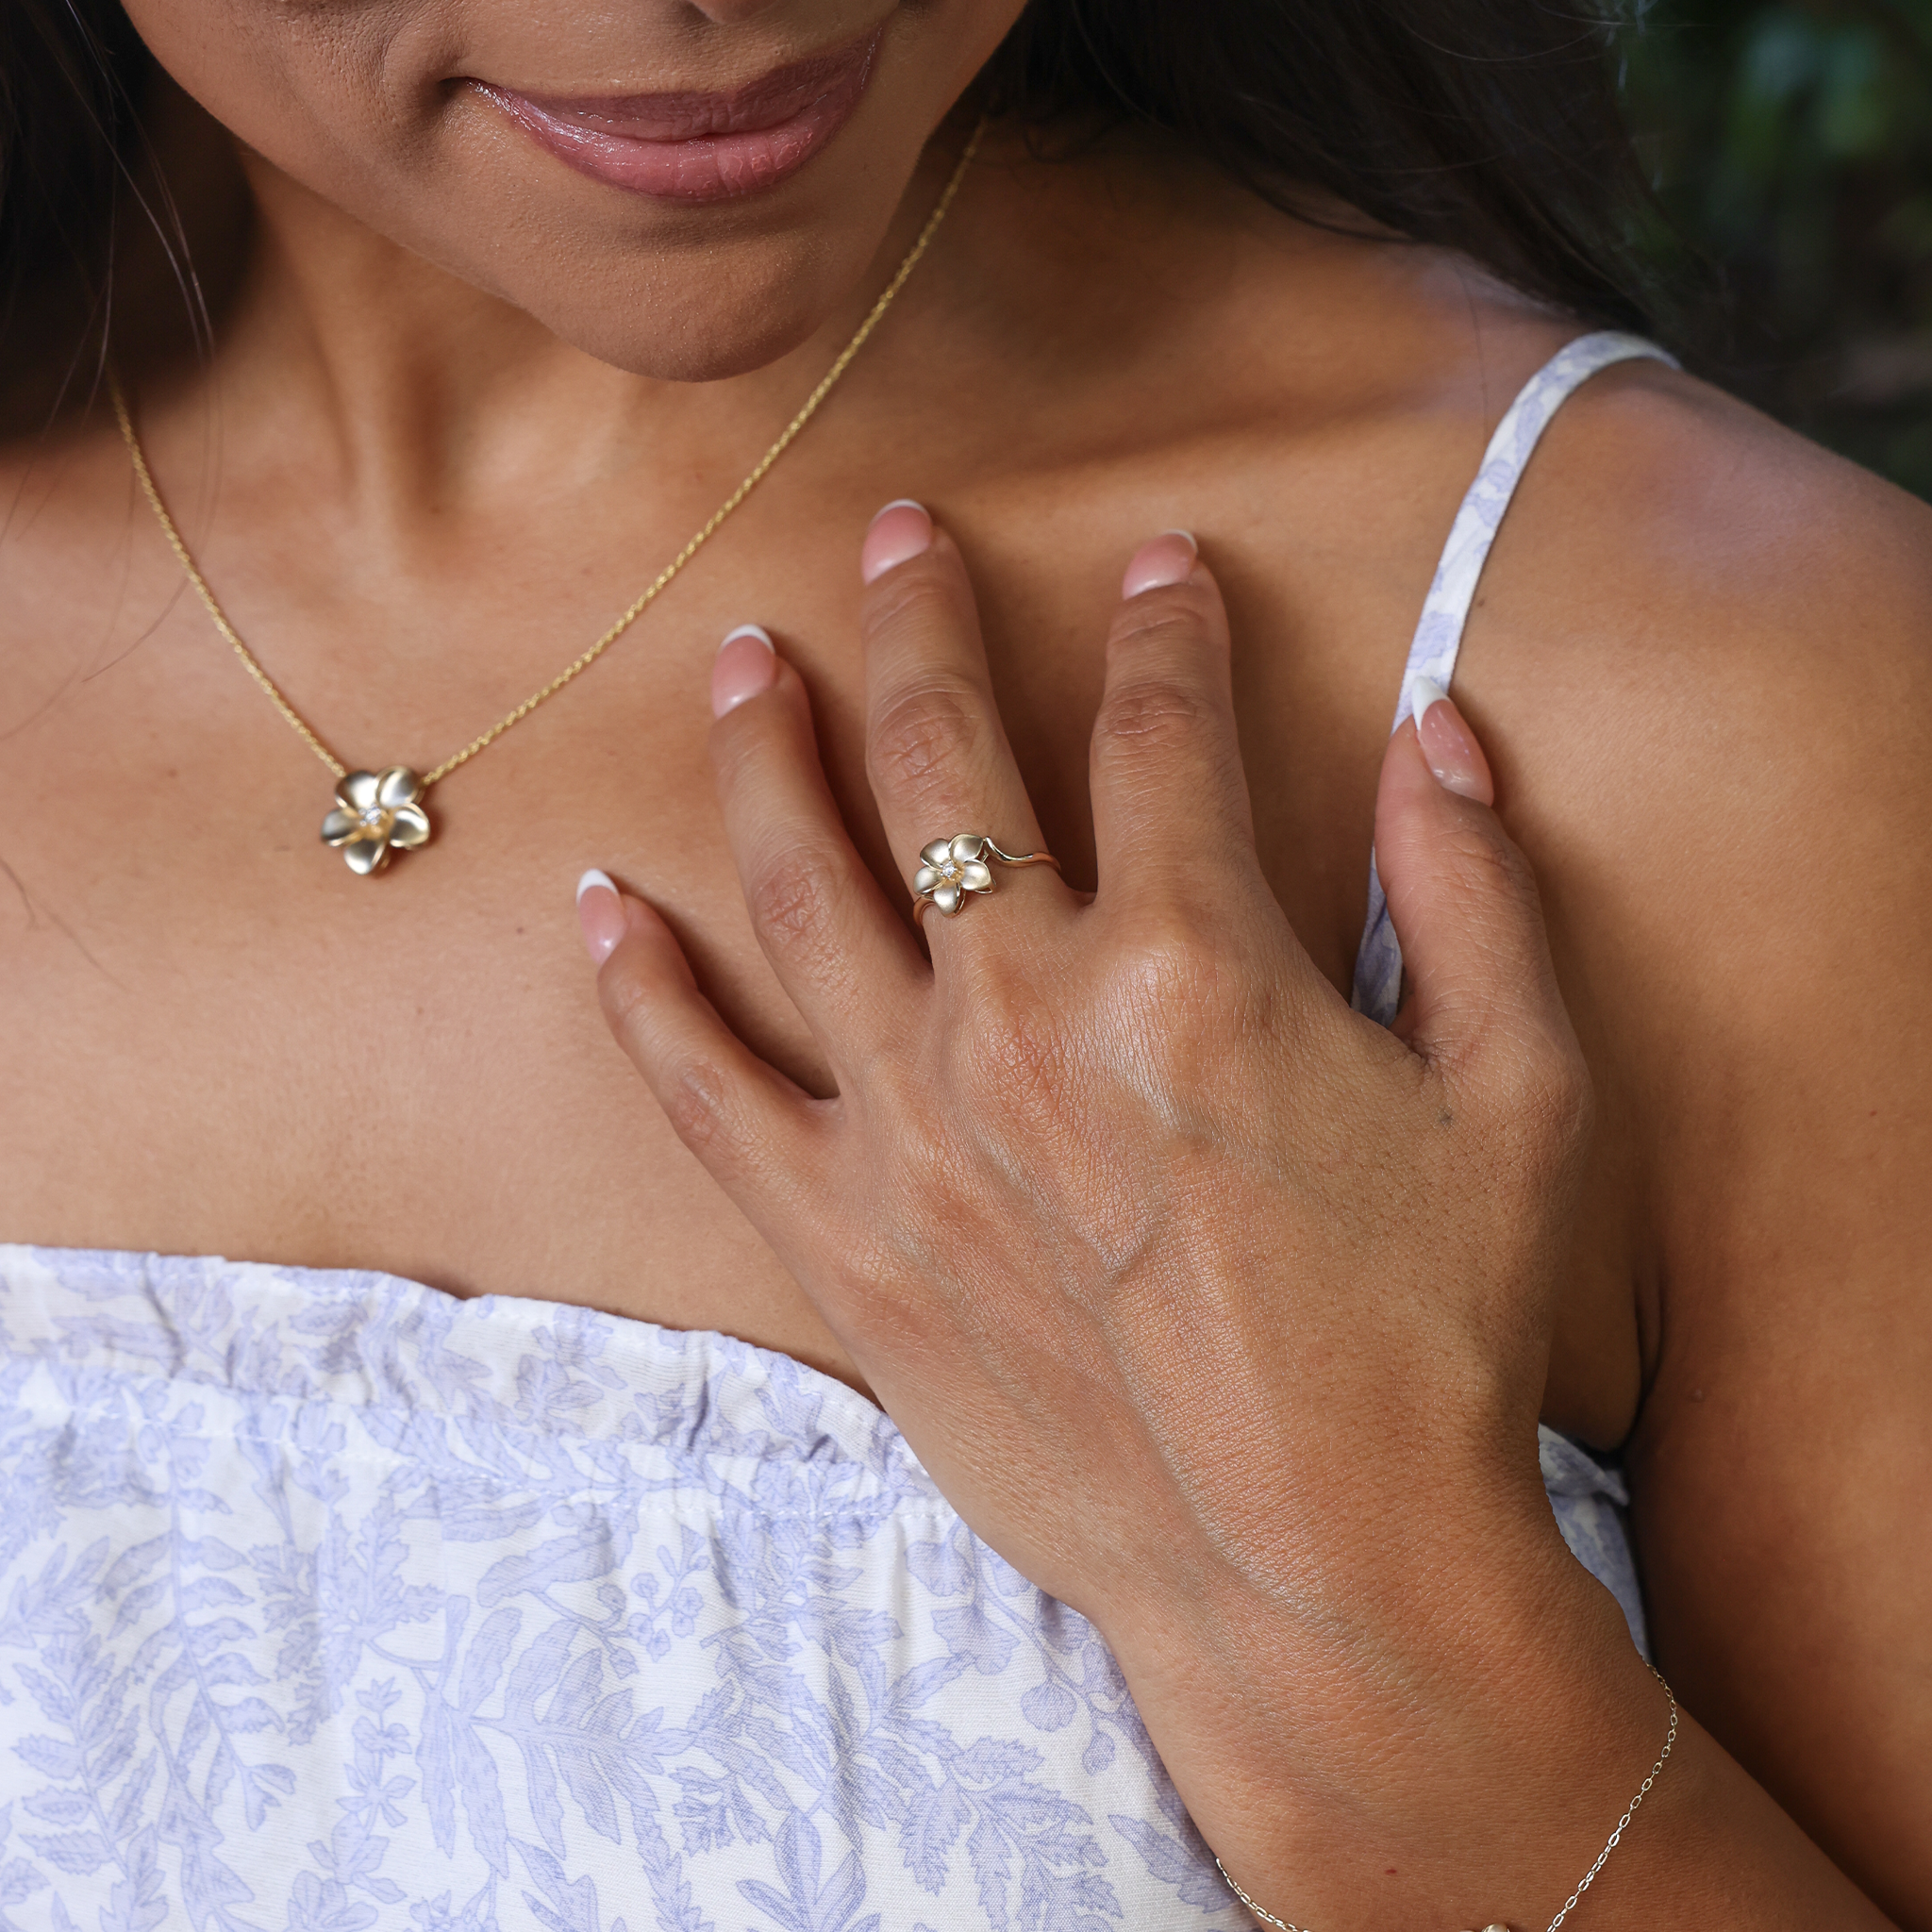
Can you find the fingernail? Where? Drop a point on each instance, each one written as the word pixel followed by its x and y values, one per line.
pixel 1169 559
pixel 600 914
pixel 903 529
pixel 1448 744
pixel 747 663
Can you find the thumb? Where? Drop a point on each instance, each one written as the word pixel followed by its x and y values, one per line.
pixel 1484 1007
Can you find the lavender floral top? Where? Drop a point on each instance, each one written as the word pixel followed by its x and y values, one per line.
pixel 328 1603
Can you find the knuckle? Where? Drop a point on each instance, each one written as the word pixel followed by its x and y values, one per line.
pixel 801 909
pixel 794 899
pixel 1486 865
pixel 692 1092
pixel 693 1087
pixel 915 597
pixel 924 730
pixel 1179 985
pixel 1153 714
pixel 741 744
pixel 1171 615
pixel 1540 1097
pixel 1551 1090
pixel 1160 962
pixel 626 998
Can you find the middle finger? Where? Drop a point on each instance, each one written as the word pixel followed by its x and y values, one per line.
pixel 936 751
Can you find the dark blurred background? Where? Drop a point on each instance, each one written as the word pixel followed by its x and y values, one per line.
pixel 1791 147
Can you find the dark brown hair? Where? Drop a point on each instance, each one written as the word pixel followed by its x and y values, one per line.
pixel 71 72
pixel 1491 127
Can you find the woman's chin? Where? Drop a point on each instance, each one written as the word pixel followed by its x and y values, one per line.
pixel 686 237
pixel 709 350
pixel 690 321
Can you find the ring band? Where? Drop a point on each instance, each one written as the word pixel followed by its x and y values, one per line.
pixel 951 867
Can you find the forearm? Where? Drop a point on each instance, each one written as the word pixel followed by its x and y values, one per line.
pixel 1446 1741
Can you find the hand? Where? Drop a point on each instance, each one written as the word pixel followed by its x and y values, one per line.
pixel 1118 1204
pixel 1217 1310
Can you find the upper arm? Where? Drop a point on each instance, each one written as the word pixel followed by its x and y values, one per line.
pixel 1716 721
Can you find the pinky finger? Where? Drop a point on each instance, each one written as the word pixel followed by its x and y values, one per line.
pixel 759 1135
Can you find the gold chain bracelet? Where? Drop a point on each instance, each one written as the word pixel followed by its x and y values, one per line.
pixel 1268 1918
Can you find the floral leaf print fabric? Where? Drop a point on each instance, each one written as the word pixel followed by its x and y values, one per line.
pixel 329 1602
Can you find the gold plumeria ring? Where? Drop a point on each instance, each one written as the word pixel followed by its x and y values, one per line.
pixel 951 867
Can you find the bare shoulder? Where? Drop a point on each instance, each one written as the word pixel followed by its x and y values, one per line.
pixel 1647 470
pixel 1725 506
pixel 1710 642
pixel 1703 664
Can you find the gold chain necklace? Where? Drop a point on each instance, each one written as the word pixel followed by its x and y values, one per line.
pixel 376 812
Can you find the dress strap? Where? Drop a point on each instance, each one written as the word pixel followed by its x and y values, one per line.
pixel 1445 611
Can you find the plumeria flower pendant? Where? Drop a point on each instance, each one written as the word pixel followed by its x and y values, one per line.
pixel 951 867
pixel 376 811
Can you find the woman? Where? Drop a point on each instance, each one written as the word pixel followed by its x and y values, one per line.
pixel 441 1561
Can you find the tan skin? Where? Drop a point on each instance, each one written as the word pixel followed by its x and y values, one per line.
pixel 1698 665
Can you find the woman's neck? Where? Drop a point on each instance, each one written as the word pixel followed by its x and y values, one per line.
pixel 416 397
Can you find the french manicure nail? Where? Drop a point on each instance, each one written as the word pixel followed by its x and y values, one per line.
pixel 900 531
pixel 600 914
pixel 1448 744
pixel 746 664
pixel 1168 558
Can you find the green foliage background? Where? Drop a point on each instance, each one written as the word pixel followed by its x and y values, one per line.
pixel 1791 147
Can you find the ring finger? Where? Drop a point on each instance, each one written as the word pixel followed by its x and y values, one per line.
pixel 936 750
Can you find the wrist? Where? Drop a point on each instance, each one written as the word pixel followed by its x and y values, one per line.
pixel 1453 1715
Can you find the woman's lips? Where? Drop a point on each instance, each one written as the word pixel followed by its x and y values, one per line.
pixel 700 146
